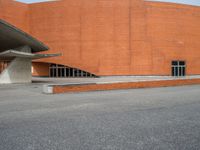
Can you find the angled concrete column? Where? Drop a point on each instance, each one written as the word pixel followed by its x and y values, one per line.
pixel 18 71
pixel 25 49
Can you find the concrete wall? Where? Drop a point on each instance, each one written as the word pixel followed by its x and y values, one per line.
pixel 115 37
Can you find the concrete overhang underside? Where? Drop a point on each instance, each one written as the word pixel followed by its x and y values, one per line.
pixel 12 37
pixel 10 54
pixel 19 48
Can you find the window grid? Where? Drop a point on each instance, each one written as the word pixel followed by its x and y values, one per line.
pixel 178 68
pixel 60 71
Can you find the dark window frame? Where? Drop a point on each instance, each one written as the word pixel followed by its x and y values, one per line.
pixel 178 68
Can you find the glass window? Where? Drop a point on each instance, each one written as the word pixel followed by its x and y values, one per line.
pixel 174 63
pixel 64 71
pixel 178 68
pixel 182 63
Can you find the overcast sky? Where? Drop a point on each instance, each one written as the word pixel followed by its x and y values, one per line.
pixel 191 2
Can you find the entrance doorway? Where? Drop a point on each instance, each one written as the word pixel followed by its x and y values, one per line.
pixel 61 71
pixel 178 68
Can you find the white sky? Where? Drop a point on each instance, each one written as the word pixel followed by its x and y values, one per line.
pixel 191 2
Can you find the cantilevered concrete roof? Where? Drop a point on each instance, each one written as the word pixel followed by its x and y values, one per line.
pixel 12 37
pixel 9 54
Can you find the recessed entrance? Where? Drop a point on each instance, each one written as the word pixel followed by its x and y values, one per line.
pixel 60 71
pixel 178 68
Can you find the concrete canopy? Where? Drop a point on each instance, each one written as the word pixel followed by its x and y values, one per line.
pixel 12 37
pixel 13 53
pixel 19 49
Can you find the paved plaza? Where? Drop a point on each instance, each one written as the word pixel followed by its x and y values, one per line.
pixel 138 119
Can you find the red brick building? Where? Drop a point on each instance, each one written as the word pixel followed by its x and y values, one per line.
pixel 111 37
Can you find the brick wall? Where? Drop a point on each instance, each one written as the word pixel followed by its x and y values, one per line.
pixel 113 37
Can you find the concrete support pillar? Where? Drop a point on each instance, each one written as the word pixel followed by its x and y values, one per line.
pixel 18 71
pixel 25 49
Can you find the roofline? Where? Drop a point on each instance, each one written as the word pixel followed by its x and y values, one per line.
pixel 30 3
pixel 172 3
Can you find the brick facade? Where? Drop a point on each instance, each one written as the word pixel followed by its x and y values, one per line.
pixel 112 37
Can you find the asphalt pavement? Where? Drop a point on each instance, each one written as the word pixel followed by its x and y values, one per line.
pixel 138 119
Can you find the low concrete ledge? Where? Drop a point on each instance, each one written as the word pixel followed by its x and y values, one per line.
pixel 48 89
pixel 85 87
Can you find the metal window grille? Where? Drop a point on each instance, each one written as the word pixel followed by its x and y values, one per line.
pixel 60 71
pixel 178 68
